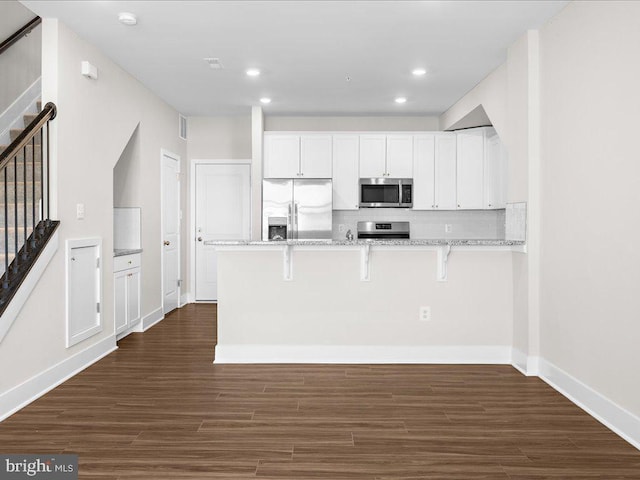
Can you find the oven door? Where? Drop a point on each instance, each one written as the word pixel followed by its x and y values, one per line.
pixel 379 192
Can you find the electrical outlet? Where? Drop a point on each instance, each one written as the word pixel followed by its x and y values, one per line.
pixel 342 227
pixel 448 227
pixel 425 314
pixel 80 211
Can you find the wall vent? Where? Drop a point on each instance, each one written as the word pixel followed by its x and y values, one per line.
pixel 182 127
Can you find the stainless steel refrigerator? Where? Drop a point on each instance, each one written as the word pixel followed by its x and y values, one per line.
pixel 296 209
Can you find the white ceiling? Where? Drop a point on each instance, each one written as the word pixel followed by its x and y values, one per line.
pixel 305 50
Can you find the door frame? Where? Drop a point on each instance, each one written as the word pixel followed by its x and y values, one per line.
pixel 167 153
pixel 192 214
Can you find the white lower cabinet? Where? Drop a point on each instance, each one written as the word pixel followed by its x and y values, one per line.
pixel 126 292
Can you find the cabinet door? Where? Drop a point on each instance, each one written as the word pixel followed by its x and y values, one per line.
pixel 315 156
pixel 400 156
pixel 445 171
pixel 281 156
pixel 373 156
pixel 424 172
pixel 120 301
pixel 133 296
pixel 495 175
pixel 470 169
pixel 345 172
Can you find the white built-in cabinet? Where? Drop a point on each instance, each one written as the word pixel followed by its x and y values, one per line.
pixel 470 169
pixel 298 156
pixel 495 168
pixel 126 286
pixel 434 172
pixel 346 150
pixel 462 170
pixel 445 172
pixel 386 156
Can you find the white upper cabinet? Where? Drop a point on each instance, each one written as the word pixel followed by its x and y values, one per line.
pixel 470 169
pixel 345 172
pixel 495 176
pixel 399 156
pixel 373 161
pixel 281 156
pixel 315 156
pixel 297 156
pixel 386 156
pixel 424 172
pixel 445 171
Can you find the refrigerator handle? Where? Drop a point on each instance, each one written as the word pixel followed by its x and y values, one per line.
pixel 295 218
pixel 289 223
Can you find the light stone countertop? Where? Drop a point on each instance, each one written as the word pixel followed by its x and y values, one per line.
pixel 129 251
pixel 358 243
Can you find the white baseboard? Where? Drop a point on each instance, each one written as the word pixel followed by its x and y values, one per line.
pixel 29 283
pixel 22 395
pixel 185 299
pixel 607 412
pixel 519 360
pixel 12 116
pixel 362 354
pixel 151 319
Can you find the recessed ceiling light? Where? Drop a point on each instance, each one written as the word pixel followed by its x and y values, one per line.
pixel 265 100
pixel 253 72
pixel 127 18
pixel 401 100
pixel 418 72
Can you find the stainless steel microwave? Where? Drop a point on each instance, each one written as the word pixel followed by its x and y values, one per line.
pixel 386 192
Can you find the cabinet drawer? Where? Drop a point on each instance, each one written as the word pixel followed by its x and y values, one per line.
pixel 126 261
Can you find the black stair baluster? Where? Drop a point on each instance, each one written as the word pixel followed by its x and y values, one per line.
pixel 15 203
pixel 41 223
pixel 24 196
pixel 48 165
pixel 5 283
pixel 33 191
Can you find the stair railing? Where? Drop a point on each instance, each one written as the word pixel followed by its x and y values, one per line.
pixel 22 32
pixel 26 214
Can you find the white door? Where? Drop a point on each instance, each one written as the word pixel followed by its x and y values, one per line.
pixel 120 301
pixel 223 212
pixel 400 156
pixel 170 232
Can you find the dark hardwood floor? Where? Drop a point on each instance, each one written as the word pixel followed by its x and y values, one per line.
pixel 159 409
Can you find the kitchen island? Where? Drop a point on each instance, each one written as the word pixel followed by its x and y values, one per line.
pixel 374 301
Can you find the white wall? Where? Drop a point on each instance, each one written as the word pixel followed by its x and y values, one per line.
pixel 95 121
pixel 127 175
pixel 20 64
pixel 363 123
pixel 219 137
pixel 591 193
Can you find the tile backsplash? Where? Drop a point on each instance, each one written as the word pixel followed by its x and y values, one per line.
pixel 465 224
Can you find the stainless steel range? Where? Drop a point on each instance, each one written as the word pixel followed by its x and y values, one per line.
pixel 383 230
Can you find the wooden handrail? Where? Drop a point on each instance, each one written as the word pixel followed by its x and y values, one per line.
pixel 19 34
pixel 48 113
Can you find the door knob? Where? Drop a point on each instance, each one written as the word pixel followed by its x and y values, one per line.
pixel 199 239
pixel 167 243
